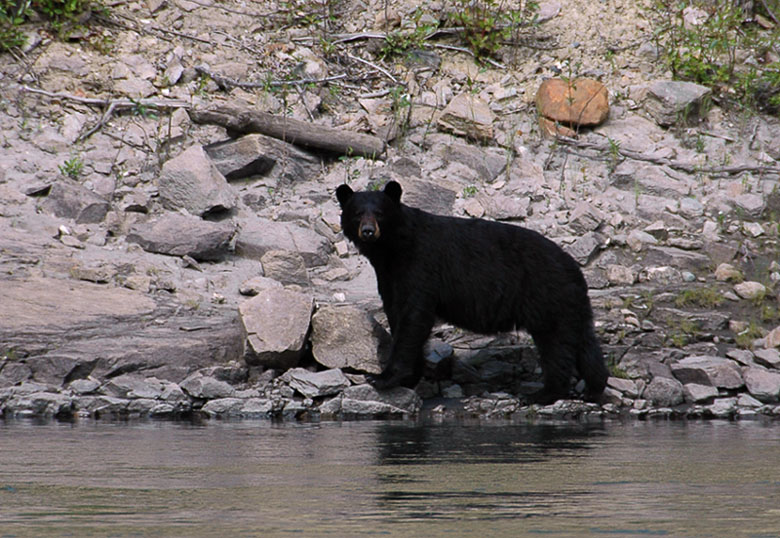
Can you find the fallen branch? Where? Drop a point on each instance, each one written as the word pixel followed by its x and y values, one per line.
pixel 676 165
pixel 108 105
pixel 382 70
pixel 226 83
pixel 297 132
pixel 162 104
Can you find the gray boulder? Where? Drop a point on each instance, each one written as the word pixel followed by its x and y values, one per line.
pixel 674 101
pixel 277 323
pixel 345 336
pixel 260 155
pixel 664 392
pixel 651 179
pixel 257 236
pixel 486 164
pixel 428 196
pixel 132 386
pixel 708 370
pixel 768 357
pixel 316 384
pixel 70 200
pixel 184 235
pixel 223 407
pixel 762 384
pixel 366 401
pixel 722 407
pixel 696 393
pixel 192 182
pixel 584 247
pixel 67 330
pixel 37 404
pixel 206 387
pixel 286 267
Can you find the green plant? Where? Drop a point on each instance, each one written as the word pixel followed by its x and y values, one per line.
pixel 615 370
pixel 60 10
pixel 769 313
pixel 487 24
pixel 72 167
pixel 682 332
pixel 712 50
pixel 349 172
pixel 704 297
pixel 202 85
pixel 401 106
pixel 469 191
pixel 745 338
pixel 614 153
pixel 12 15
pixel 401 42
pixel 143 110
pixel 758 300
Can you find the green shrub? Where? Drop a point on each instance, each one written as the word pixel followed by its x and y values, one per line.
pixel 13 14
pixel 713 52
pixel 487 24
pixel 699 297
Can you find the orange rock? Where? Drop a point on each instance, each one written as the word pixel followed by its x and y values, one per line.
pixel 582 101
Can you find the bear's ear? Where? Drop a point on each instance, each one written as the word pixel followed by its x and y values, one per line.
pixel 393 190
pixel 343 194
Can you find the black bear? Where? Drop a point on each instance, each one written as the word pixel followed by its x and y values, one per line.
pixel 480 275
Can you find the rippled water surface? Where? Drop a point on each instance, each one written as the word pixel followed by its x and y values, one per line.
pixel 719 479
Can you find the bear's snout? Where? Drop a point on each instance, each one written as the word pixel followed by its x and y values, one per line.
pixel 369 229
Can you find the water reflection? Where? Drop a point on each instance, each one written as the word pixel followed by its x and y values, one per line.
pixel 389 478
pixel 505 443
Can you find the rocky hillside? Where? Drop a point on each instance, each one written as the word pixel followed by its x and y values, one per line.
pixel 165 248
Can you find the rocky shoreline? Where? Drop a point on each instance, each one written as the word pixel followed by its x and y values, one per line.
pixel 153 266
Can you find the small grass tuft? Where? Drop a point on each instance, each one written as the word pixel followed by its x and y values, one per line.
pixel 72 167
pixel 705 297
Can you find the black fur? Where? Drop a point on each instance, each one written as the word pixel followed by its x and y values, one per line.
pixel 480 275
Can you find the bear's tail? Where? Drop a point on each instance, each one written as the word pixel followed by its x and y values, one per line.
pixel 591 366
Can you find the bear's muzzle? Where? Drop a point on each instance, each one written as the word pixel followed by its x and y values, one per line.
pixel 368 230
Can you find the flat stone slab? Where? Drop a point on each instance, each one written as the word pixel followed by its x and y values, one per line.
pixel 45 304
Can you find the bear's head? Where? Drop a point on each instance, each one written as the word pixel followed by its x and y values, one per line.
pixel 368 215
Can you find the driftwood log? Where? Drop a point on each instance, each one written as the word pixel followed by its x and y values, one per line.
pixel 290 130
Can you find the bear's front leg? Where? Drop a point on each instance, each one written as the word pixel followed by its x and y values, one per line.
pixel 410 330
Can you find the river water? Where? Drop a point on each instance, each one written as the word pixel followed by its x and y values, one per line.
pixel 427 479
